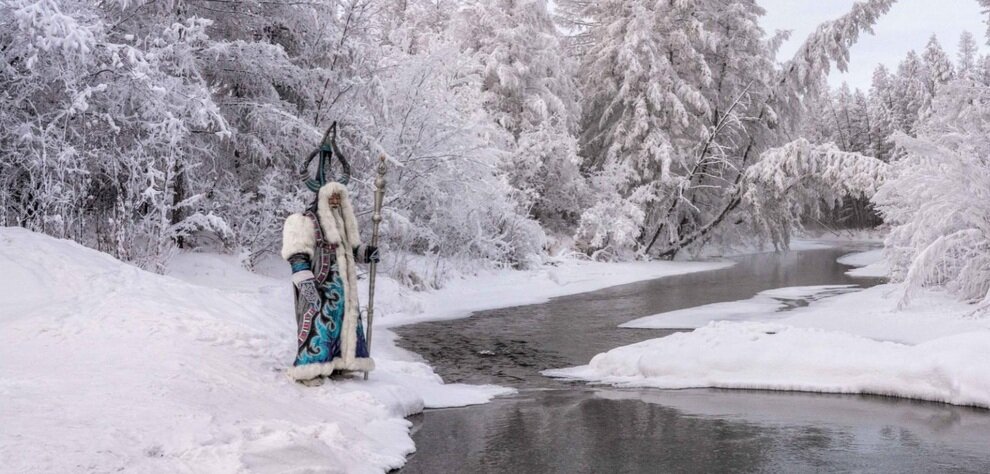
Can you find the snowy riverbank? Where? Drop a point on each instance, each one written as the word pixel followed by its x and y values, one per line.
pixel 105 367
pixel 852 343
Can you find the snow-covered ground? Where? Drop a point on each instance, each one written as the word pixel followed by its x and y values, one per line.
pixel 104 367
pixel 935 349
pixel 868 264
pixel 766 305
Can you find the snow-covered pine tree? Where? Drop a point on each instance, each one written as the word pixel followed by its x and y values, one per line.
pixel 801 76
pixel 966 62
pixel 664 92
pixel 642 77
pixel 881 109
pixel 937 65
pixel 776 113
pixel 676 167
pixel 911 93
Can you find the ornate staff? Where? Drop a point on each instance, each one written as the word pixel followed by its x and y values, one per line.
pixel 376 219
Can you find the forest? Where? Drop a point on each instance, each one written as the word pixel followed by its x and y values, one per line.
pixel 513 130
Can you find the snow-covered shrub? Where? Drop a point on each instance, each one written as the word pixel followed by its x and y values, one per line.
pixel 937 200
pixel 102 131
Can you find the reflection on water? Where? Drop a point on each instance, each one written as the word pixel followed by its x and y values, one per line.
pixel 510 346
pixel 612 430
pixel 557 426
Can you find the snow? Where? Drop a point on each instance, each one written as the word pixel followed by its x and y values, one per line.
pixel 935 349
pixel 501 288
pixel 105 367
pixel 778 357
pixel 765 305
pixel 871 264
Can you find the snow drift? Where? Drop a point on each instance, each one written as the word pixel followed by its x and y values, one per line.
pixel 771 356
pixel 106 367
pixel 856 343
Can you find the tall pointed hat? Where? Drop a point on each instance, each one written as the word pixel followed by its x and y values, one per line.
pixel 325 152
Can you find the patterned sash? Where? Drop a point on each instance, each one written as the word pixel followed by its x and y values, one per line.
pixel 322 267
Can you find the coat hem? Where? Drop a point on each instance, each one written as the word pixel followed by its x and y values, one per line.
pixel 311 371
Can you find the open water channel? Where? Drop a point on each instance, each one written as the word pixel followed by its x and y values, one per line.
pixel 558 426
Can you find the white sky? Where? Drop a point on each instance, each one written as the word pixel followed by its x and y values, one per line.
pixel 907 26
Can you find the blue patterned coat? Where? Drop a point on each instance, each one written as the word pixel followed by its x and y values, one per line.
pixel 323 245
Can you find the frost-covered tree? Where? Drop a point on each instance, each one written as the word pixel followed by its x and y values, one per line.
pixel 448 198
pixel 123 118
pixel 938 66
pixel 531 93
pixel 881 110
pixel 937 199
pixel 800 180
pixel 911 92
pixel 967 55
pixel 854 124
pixel 680 98
pixel 642 78
pixel 982 74
pixel 139 128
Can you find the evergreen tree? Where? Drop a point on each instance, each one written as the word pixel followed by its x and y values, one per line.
pixel 881 107
pixel 911 92
pixel 679 98
pixel 967 55
pixel 938 66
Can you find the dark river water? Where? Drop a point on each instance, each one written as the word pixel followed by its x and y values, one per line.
pixel 558 426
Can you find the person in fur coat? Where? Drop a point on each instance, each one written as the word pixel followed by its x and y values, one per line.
pixel 323 246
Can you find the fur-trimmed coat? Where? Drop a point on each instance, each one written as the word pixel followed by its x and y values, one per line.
pixel 323 246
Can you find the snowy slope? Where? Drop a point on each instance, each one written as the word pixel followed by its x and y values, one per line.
pixel 852 343
pixel 105 367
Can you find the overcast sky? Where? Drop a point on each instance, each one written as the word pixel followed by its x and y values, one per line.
pixel 907 26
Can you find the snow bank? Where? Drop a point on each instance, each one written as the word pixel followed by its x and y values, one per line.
pixel 852 343
pixel 952 369
pixel 498 289
pixel 104 367
pixel 766 305
pixel 871 263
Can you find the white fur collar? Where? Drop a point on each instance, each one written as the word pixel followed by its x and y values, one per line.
pixel 328 223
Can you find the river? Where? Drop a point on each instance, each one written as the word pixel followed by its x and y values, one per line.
pixel 559 426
